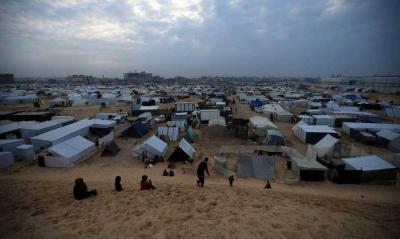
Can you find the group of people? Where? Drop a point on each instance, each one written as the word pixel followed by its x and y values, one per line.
pixel 81 190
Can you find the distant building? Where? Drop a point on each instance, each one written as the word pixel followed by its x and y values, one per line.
pixel 381 84
pixel 80 79
pixel 6 78
pixel 138 76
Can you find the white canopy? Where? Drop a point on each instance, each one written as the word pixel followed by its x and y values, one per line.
pixel 187 148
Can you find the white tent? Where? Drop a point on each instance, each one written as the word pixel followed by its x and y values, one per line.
pixel 187 148
pixel 152 146
pixel 325 146
pixel 171 132
pixel 66 153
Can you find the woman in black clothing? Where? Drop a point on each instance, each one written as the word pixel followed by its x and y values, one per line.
pixel 81 191
pixel 200 172
pixel 118 186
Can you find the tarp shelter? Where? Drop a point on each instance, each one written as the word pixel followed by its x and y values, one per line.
pixel 324 120
pixel 221 166
pixel 384 137
pixel 25 152
pixel 348 126
pixel 311 134
pixel 10 145
pixel 171 132
pixel 180 124
pixel 308 169
pixel 66 153
pixel 183 152
pixel 111 149
pixel 274 137
pixel 137 130
pixel 325 146
pixel 372 167
pixel 252 166
pixel 217 127
pixel 190 134
pixel 152 146
pixel 6 159
pixel 394 145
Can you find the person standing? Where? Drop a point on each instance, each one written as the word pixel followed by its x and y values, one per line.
pixel 200 172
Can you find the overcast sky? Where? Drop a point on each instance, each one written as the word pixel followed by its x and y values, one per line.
pixel 52 38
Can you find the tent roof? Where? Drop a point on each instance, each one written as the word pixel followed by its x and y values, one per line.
pixel 388 134
pixel 367 163
pixel 317 128
pixel 305 163
pixel 187 148
pixel 327 141
pixel 156 143
pixel 71 147
pixel 259 121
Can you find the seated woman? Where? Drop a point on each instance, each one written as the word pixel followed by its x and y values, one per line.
pixel 81 191
pixel 146 185
pixel 118 186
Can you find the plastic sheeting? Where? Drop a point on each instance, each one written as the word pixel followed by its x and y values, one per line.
pixel 171 132
pixel 251 166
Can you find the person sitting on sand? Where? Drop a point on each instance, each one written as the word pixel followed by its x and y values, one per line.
pixel 171 173
pixel 165 173
pixel 268 186
pixel 81 191
pixel 118 186
pixel 146 185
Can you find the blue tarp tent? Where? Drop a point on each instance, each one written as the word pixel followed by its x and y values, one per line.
pixel 256 103
pixel 136 130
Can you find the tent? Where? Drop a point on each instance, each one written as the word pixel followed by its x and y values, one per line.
pixel 274 137
pixel 373 168
pixel 190 134
pixel 180 124
pixel 183 152
pixel 394 145
pixel 217 127
pixel 313 133
pixel 252 166
pixel 66 153
pixel 171 132
pixel 152 146
pixel 325 146
pixel 111 149
pixel 385 136
pixel 135 130
pixel 6 159
pixel 10 145
pixel 308 169
pixel 25 152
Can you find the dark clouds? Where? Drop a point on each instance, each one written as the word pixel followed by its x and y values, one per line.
pixel 193 38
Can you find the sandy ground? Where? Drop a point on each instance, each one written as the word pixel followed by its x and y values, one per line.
pixel 38 203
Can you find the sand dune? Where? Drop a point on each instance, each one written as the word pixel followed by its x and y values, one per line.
pixel 46 209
